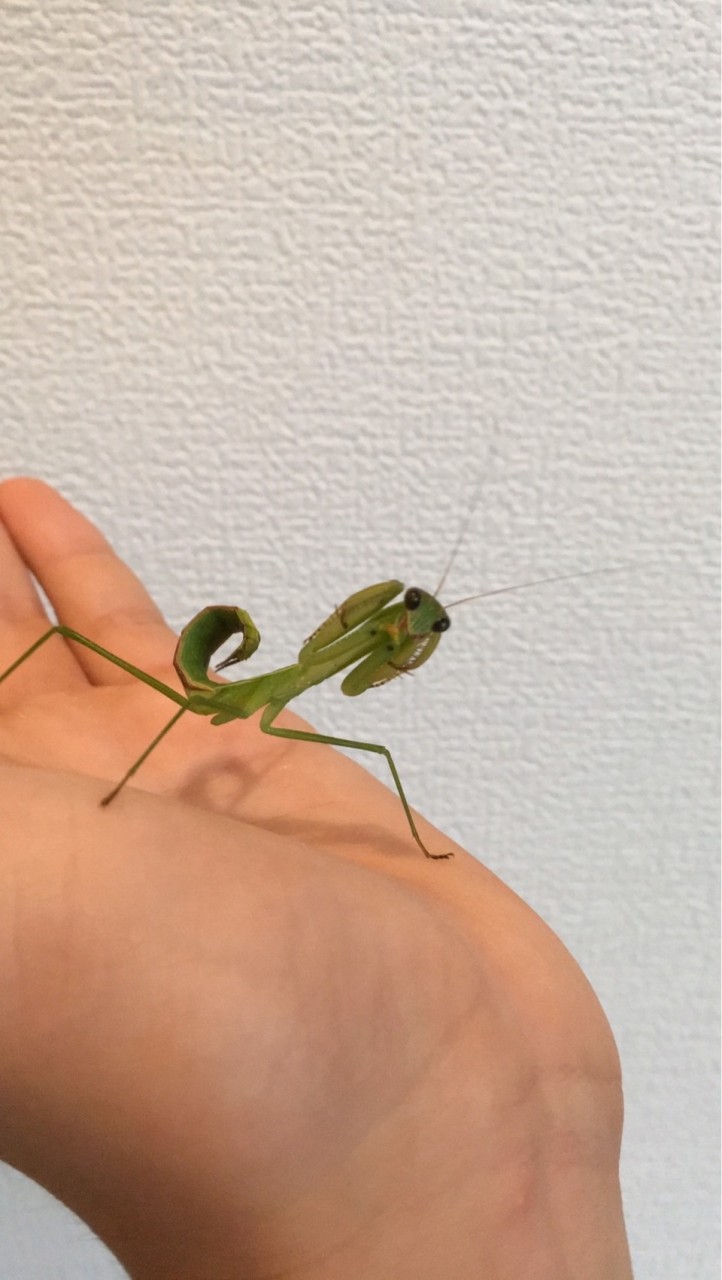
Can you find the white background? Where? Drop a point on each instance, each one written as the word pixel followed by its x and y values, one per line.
pixel 282 284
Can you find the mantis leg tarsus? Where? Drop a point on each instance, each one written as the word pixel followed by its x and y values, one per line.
pixel 299 735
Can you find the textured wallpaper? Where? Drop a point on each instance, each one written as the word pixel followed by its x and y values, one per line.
pixel 283 287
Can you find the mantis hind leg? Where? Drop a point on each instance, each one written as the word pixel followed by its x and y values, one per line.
pixel 136 765
pixel 267 726
pixel 69 634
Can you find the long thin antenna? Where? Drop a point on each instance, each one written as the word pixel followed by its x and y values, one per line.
pixel 460 537
pixel 540 582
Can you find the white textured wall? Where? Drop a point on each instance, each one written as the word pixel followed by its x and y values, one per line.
pixel 281 283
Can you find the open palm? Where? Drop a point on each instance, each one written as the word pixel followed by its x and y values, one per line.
pixel 250 1030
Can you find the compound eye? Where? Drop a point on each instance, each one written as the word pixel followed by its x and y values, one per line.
pixel 441 624
pixel 412 599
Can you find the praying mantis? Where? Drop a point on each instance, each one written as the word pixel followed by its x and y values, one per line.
pixel 384 639
pixel 378 639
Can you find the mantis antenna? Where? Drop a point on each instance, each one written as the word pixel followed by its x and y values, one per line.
pixel 539 582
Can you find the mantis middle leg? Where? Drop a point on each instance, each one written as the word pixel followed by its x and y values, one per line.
pixel 300 735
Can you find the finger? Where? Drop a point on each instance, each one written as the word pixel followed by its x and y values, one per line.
pixel 89 587
pixel 22 621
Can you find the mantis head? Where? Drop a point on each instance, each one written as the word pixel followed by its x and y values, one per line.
pixel 424 613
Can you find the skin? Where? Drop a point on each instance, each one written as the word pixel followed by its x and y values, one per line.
pixel 247 1029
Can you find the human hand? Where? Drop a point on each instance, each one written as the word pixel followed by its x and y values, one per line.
pixel 248 1030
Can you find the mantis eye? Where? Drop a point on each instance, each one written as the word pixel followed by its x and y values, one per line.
pixel 412 599
pixel 441 624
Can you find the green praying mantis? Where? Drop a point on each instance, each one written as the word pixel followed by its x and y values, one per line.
pixel 378 639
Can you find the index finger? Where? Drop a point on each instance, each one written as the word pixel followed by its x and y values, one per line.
pixel 88 585
pixel 22 621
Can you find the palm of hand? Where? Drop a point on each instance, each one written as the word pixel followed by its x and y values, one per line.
pixel 349 1039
